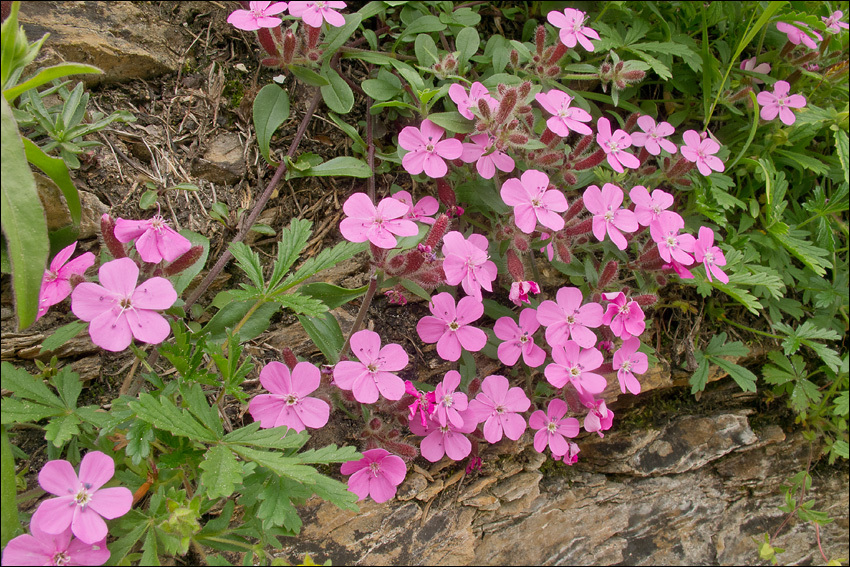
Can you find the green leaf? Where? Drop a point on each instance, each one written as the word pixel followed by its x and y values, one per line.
pixel 222 472
pixel 301 304
pixel 230 315
pixel 22 219
pixel 335 492
pixel 337 94
pixel 335 37
pixel 331 295
pixel 416 289
pixel 249 261
pixel 308 76
pixel 343 166
pixel 276 507
pixel 426 50
pixel 182 280
pixel 380 90
pixel 271 109
pixel 9 521
pixel 284 466
pixel 57 171
pixel 742 296
pixel 62 429
pixel 293 239
pixel 325 332
pixel 842 148
pixel 48 74
pixel 23 411
pixel 164 415
pixel 281 438
pixel 62 335
pixel 327 258
pixel 148 199
pixel 745 379
pixel 23 385
pixel 328 454
pixel 67 384
pixel 467 42
pixel 718 346
pixel 422 24
pixel 452 121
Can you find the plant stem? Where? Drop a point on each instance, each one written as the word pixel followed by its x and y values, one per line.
pixel 259 206
pixel 750 329
pixel 364 307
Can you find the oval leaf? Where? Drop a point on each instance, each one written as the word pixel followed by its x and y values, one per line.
pixel 271 109
pixel 337 94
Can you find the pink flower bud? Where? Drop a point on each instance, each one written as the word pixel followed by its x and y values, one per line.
pixel 646 299
pixel 107 231
pixel 267 42
pixel 289 44
pixel 524 89
pixel 610 272
pixel 313 35
pixel 184 261
pixel 592 161
pixel 515 267
pixel 506 106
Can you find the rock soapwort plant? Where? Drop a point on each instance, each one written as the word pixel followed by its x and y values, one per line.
pixel 557 186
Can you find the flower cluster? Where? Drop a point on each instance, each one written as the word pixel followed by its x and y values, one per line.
pixel 263 14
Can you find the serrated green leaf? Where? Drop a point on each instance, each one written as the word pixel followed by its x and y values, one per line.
pixel 139 437
pixel 301 304
pixel 331 295
pixel 812 256
pixel 276 507
pixel 335 492
pixel 325 332
pixel 163 414
pixel 62 429
pixel 805 393
pixel 67 384
pixel 196 401
pixel 842 148
pixel 327 258
pixel 249 261
pixel 221 472
pixel 744 378
pixel 283 466
pixel 182 280
pixel 842 404
pixel 23 411
pixel 828 355
pixel 699 378
pixel 293 239
pixel 150 553
pixel 718 346
pixel 740 295
pixel 62 335
pixel 23 385
pixel 328 454
pixel 272 438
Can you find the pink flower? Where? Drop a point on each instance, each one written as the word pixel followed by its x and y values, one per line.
pixel 486 157
pixel 374 372
pixel 568 318
pixel 449 326
pixel 288 403
pixel 565 118
pixel 42 548
pixel 467 263
pixel 552 427
pixel 710 255
pixel 750 65
pixel 627 361
pixel 466 102
pixel 533 202
pixel 422 211
pixel 571 24
pixel 833 25
pixel 312 13
pixel 448 439
pixel 449 403
pixel 599 418
pixel 426 151
pixel 377 475
pixel 574 365
pixel 155 240
pixel 82 503
pixel 608 217
pixel 498 407
pixel 519 339
pixel 799 32
pixel 648 209
pixel 571 457
pixel 653 137
pixel 422 404
pixel 375 224
pixel 702 152
pixel 780 102
pixel 119 311
pixel 259 16
pixel 671 244
pixel 679 269
pixel 623 316
pixel 614 146
pixel 520 290
pixel 55 284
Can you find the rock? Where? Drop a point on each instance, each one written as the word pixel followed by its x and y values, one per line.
pixel 56 208
pixel 126 40
pixel 224 161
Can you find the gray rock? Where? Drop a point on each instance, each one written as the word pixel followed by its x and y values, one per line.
pixel 224 161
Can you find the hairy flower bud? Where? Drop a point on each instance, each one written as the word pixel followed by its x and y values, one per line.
pixel 660 280
pixel 592 161
pixel 506 106
pixel 563 252
pixel 521 242
pixel 540 38
pixel 290 42
pixel 289 358
pixel 631 121
pixel 524 89
pixel 575 209
pixel 581 145
pixel 187 259
pixel 549 158
pixel 633 75
pixel 438 230
pixel 518 139
pixel 484 109
pixel 559 51
pixel 646 300
pixel 313 35
pixel 515 267
pixel 610 272
pixel 570 178
pixel 514 58
pixel 584 227
pixel 267 42
pixel 107 231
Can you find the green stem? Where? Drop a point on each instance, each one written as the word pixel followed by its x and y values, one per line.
pixel 364 307
pixel 750 329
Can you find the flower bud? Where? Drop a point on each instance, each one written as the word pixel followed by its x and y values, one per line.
pixel 518 139
pixel 438 229
pixel 187 259
pixel 660 280
pixel 484 109
pixel 559 51
pixel 506 106
pixel 290 42
pixel 592 161
pixel 289 358
pixel 570 178
pixel 646 300
pixel 563 252
pixel 267 42
pixel 631 121
pixel 584 227
pixel 107 231
pixel 313 35
pixel 515 267
pixel 524 89
pixel 540 38
pixel 610 272
pixel 549 158
pixel 514 58
pixel 575 209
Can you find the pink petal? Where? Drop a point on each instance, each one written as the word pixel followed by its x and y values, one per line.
pixel 358 483
pixel 434 166
pixel 509 352
pixel 59 478
pixel 127 230
pixel 364 389
pixel 449 148
pixel 266 409
pixel 346 372
pixel 27 550
pixel 155 293
pixel 147 326
pixel 96 469
pixel 414 162
pixel 469 309
pixel 78 265
pixel 334 18
pixel 275 377
pixel 305 378
pixel 111 503
pixel 430 329
pixel 493 429
pixel 314 413
pixel 457 446
pixel 533 355
pixel 366 345
pixel 524 218
pixel 390 385
pixel 381 237
pixel 119 276
pixel 393 469
pixel 53 516
pixel 90 300
pixel 432 131
pixel 448 346
pixel 171 243
pixel 148 248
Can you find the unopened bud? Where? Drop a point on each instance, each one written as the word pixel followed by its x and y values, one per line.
pixel 660 280
pixel 570 178
pixel 445 193
pixel 267 42
pixel 552 71
pixel 107 231
pixel 187 259
pixel 549 158
pixel 438 229
pixel 514 58
pixel 484 109
pixel 290 42
pixel 518 139
pixel 289 358
pixel 524 89
pixel 313 35
pixel 515 267
pixel 610 272
pixel 559 51
pixel 581 145
pixel 506 106
pixel 563 252
pixel 540 38
pixel 584 227
pixel 592 161
pixel 631 121
pixel 575 209
pixel 633 76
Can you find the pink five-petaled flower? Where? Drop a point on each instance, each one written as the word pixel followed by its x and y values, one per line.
pixel 599 418
pixel 467 263
pixel 55 284
pixel 750 65
pixel 448 439
pixel 465 102
pixel 119 311
pixel 423 404
pixel 520 290
pixel 260 15
pixel 710 255
pixel 572 28
pixel 375 224
pixel 312 13
pixel 608 217
pixel 780 102
pixel 377 474
pixel 564 118
pixel 448 403
pixel 42 548
pixel 614 146
pixel 624 316
pixel 568 318
pixel 649 208
pixel 533 202
pixel 654 136
pixel 449 327
pixel 486 157
pixel 552 428
pixel 422 210
pixel 498 406
pixel 374 372
pixel 833 23
pixel 798 32
pixel 82 503
pixel 155 240
pixel 518 339
pixel 288 403
pixel 574 364
pixel 426 152
pixel 627 361
pixel 671 244
pixel 702 152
